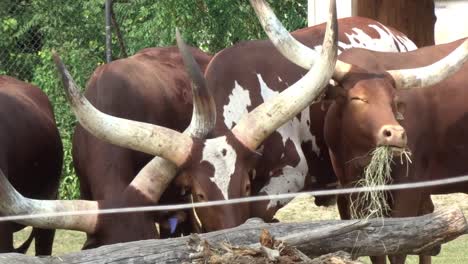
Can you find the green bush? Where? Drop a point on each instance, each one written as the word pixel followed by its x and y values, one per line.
pixel 31 29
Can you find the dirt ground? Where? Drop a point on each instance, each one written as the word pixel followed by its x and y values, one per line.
pixel 303 208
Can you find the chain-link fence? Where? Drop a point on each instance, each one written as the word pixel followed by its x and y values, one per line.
pixel 29 31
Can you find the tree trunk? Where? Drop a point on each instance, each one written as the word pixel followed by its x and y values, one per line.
pixel 412 235
pixel 415 18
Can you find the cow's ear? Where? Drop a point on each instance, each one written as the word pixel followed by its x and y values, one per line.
pixel 400 108
pixel 184 182
pixel 334 92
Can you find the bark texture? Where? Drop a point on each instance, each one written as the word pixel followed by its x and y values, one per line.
pixel 412 235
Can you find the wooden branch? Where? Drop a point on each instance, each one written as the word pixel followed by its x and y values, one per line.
pixel 411 235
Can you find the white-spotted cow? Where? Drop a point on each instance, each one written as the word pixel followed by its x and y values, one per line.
pixel 295 157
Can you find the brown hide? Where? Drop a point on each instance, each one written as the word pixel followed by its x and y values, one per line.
pixel 31 153
pixel 150 86
pixel 241 63
pixel 415 18
pixel 434 122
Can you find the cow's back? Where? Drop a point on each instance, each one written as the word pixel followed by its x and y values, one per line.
pixel 31 153
pixel 150 86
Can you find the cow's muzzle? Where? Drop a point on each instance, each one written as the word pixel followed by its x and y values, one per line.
pixel 393 136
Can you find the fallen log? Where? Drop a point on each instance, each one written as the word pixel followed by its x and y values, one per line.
pixel 412 235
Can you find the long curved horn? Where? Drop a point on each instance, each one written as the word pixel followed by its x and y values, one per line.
pixel 434 73
pixel 154 178
pixel 204 107
pixel 148 138
pixel 13 203
pixel 287 45
pixel 256 126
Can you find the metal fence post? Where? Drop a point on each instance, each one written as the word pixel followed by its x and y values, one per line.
pixel 108 31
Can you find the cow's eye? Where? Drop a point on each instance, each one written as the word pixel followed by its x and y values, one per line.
pixel 400 108
pixel 201 197
pixel 247 189
pixel 358 99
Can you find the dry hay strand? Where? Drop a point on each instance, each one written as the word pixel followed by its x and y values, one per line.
pixel 339 257
pixel 269 251
pixel 375 204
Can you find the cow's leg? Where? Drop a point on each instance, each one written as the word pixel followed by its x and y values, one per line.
pixel 378 259
pixel 406 203
pixel 6 237
pixel 43 241
pixel 343 208
pixel 425 259
pixel 263 210
pixel 427 207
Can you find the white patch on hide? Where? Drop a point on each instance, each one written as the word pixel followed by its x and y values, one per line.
pixel 297 131
pixel 386 42
pixel 291 180
pixel 239 100
pixel 404 43
pixel 222 157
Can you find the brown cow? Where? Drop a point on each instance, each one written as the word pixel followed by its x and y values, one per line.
pixel 151 86
pixel 364 115
pixel 30 154
pixel 226 157
pixel 375 105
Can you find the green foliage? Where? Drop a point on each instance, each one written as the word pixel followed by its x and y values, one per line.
pixel 209 24
pixel 31 29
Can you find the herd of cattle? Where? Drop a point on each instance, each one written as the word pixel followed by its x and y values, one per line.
pixel 297 112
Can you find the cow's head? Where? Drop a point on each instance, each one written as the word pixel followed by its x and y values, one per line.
pixel 220 168
pixel 366 111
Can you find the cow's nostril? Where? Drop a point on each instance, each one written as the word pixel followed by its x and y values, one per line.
pixel 387 133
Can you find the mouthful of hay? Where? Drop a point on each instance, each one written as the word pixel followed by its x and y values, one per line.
pixel 375 204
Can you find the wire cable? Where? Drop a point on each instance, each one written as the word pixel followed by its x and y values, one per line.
pixel 400 186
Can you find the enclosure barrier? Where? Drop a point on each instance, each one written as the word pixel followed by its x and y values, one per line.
pixel 412 235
